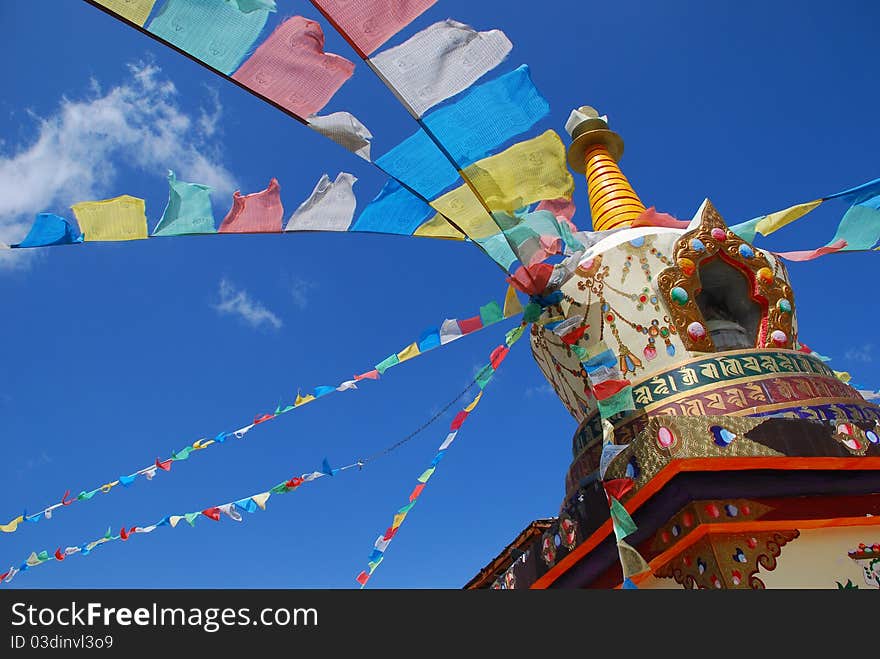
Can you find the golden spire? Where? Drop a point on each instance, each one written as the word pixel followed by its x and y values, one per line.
pixel 594 151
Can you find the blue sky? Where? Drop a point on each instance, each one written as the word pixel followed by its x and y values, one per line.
pixel 117 353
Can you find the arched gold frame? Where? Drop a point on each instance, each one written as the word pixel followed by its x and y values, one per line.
pixel 768 289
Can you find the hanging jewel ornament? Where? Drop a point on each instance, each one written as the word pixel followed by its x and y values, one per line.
pixel 628 362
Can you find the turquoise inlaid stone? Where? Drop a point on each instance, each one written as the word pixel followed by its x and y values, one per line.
pixel 679 296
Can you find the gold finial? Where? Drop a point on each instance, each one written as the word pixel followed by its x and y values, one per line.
pixel 594 151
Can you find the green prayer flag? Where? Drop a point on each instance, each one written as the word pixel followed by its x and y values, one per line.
pixel 485 375
pixel 85 496
pixel 182 454
pixel 513 335
pixel 532 312
pixel 387 363
pixel 191 518
pixel 581 352
pixel 622 401
pixel 491 313
pixel 407 507
pixel 188 210
pixel 43 556
pixel 281 488
pixel 620 518
pixel 426 475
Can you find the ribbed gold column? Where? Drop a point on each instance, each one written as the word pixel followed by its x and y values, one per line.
pixel 594 151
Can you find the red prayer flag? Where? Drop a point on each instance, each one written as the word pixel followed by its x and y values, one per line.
pixel 498 355
pixel 291 68
pixel 618 487
pixel 259 212
pixel 458 420
pixel 3 576
pixel 213 513
pixel 651 218
pixel 390 533
pixel 532 280
pixel 370 23
pixel 164 465
pixel 810 254
pixel 469 325
pixel 265 417
pixel 417 490
pixel 369 375
pixel 575 335
pixel 59 556
pixel 294 482
pixel 64 501
pixel 608 388
pixel 363 578
pixel 123 533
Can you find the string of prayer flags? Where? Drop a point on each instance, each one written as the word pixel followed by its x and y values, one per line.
pixel 330 207
pixel 258 212
pixel 230 509
pixel 233 509
pixel 429 340
pixel 469 130
pixel 188 210
pixel 119 218
pixel 136 11
pixel 394 210
pixel 346 130
pixel 858 230
pixel 216 33
pixel 439 62
pixel 367 24
pixel 291 68
pixel 50 229
pixel 381 545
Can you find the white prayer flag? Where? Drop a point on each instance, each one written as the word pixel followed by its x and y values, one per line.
pixel 330 207
pixel 346 130
pixel 440 61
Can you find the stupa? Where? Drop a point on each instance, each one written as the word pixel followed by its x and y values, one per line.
pixel 741 459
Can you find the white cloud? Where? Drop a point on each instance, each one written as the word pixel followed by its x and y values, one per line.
pixel 238 302
pixel 539 390
pixel 76 151
pixel 862 354
pixel 299 290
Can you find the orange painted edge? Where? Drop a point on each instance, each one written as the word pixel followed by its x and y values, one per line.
pixel 676 467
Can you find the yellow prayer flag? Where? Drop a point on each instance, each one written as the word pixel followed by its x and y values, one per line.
pixel 302 400
pixel 120 218
pixel 398 520
pixel 174 519
pixel 779 219
pixel 474 402
pixel 136 11
pixel 9 528
pixel 33 559
pixel 261 499
pixel 533 170
pixel 843 376
pixel 512 305
pixel 412 350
